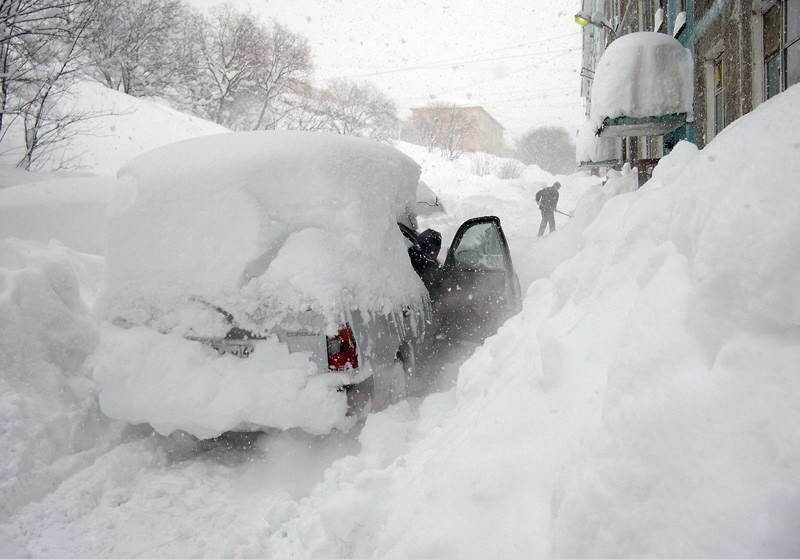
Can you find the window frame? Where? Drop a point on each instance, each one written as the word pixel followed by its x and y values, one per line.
pixel 719 92
pixel 786 45
pixel 774 57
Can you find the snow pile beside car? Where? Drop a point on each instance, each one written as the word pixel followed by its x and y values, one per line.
pixel 50 424
pixel 643 404
pixel 71 210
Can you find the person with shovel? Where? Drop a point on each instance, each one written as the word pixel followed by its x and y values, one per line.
pixel 547 198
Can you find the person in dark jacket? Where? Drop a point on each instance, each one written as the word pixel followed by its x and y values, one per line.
pixel 424 257
pixel 547 198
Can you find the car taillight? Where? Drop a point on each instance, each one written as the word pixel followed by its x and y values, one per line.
pixel 342 351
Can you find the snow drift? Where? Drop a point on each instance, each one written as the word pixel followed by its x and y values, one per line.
pixel 50 424
pixel 643 404
pixel 69 210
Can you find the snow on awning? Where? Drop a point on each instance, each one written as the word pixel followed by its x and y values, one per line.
pixel 643 86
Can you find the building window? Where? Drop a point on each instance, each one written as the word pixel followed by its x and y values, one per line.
pixel 772 75
pixel 781 32
pixel 791 41
pixel 772 51
pixel 719 95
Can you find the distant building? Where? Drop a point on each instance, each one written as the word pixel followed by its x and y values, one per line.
pixel 745 51
pixel 483 133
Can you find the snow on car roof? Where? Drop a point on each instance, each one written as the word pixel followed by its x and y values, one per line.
pixel 260 223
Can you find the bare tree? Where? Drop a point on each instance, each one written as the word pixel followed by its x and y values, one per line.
pixel 549 147
pixel 28 31
pixel 354 109
pixel 284 71
pixel 40 53
pixel 443 126
pixel 426 129
pixel 301 110
pixel 46 124
pixel 230 57
pixel 131 43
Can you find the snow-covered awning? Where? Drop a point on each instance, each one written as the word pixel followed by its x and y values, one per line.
pixel 643 86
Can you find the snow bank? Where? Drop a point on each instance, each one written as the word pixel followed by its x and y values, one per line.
pixel 641 75
pixel 50 423
pixel 263 224
pixel 71 210
pixel 643 404
pixel 120 128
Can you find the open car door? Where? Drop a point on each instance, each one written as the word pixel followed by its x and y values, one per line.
pixel 479 289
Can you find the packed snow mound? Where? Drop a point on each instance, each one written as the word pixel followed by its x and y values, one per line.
pixel 118 128
pixel 644 403
pixel 50 421
pixel 71 210
pixel 643 74
pixel 263 224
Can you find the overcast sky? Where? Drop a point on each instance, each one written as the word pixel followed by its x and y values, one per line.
pixel 518 58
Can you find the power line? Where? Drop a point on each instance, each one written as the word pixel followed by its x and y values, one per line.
pixel 463 58
pixel 450 64
pixel 491 80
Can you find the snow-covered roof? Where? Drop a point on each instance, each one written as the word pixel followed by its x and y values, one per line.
pixel 440 104
pixel 283 220
pixel 643 75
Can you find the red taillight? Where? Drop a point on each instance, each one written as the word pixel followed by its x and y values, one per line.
pixel 342 351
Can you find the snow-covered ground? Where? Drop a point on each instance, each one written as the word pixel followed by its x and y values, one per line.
pixel 119 128
pixel 644 403
pixel 70 207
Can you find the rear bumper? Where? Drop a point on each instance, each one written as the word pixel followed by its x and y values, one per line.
pixel 359 397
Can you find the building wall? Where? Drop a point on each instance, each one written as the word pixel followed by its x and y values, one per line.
pixel 486 134
pixel 733 31
pixel 490 133
pixel 722 31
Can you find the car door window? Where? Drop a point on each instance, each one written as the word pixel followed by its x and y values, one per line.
pixel 481 249
pixel 478 288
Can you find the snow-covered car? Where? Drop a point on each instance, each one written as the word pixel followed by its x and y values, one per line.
pixel 267 280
